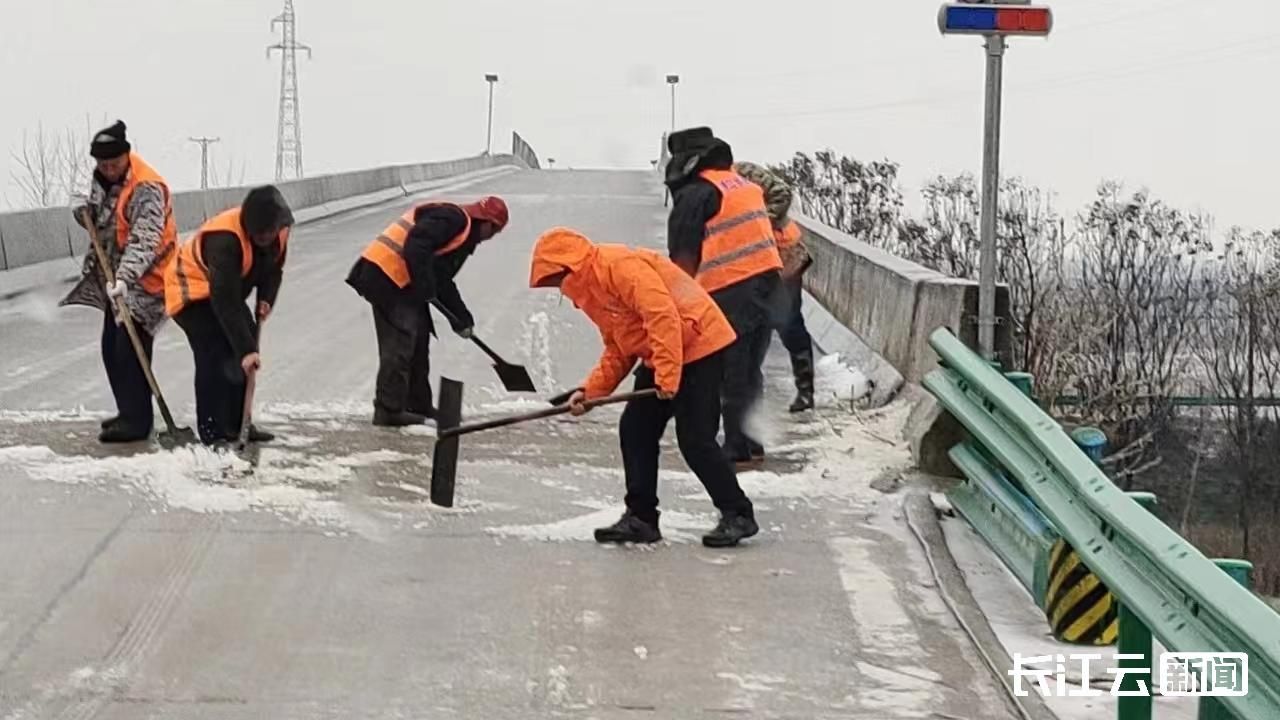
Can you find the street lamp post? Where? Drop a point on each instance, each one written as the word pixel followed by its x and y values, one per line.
pixel 994 20
pixel 492 79
pixel 673 80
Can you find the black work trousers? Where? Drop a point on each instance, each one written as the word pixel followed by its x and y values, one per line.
pixel 752 309
pixel 696 409
pixel 404 357
pixel 220 379
pixel 793 333
pixel 125 375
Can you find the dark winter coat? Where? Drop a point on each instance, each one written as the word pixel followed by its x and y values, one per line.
pixel 431 277
pixel 228 291
pixel 694 202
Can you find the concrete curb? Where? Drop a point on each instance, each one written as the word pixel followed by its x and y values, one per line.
pixel 922 518
pixel 19 281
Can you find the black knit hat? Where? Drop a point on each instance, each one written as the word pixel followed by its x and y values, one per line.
pixel 110 142
pixel 265 211
pixel 690 140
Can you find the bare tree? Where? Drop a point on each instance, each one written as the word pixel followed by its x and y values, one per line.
pixel 1136 293
pixel 38 169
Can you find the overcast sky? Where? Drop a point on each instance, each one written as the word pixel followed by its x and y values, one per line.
pixel 1176 95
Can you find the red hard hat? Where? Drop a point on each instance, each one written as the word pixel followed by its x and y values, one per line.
pixel 491 208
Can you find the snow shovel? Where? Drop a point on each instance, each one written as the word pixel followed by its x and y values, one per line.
pixel 515 378
pixel 444 459
pixel 173 436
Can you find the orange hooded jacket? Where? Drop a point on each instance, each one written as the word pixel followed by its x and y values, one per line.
pixel 644 305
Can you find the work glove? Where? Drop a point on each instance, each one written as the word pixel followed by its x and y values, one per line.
pixel 466 333
pixel 118 291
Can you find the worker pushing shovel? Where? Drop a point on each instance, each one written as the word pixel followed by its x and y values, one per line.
pixel 125 280
pixel 411 263
pixel 650 310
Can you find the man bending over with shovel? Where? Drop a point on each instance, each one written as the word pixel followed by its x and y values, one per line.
pixel 131 210
pixel 235 253
pixel 411 263
pixel 649 309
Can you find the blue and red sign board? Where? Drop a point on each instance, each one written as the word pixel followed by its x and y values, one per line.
pixel 973 19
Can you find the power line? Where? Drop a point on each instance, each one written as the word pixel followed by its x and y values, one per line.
pixel 289 123
pixel 204 143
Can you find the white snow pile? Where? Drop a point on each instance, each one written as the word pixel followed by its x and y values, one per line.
pixel 291 485
pixel 836 381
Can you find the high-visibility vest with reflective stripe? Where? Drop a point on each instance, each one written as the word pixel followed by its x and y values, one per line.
pixel 140 172
pixel 788 235
pixel 186 280
pixel 387 250
pixel 739 241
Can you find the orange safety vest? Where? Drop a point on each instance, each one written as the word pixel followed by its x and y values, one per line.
pixel 387 250
pixel 788 235
pixel 186 280
pixel 739 241
pixel 140 172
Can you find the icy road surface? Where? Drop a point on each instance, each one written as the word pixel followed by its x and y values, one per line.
pixel 146 584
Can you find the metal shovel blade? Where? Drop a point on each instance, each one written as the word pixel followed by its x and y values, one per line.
pixel 444 458
pixel 177 437
pixel 514 377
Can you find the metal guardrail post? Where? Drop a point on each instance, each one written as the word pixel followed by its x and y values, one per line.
pixel 1080 608
pixel 1242 572
pixel 1023 381
pixel 1135 639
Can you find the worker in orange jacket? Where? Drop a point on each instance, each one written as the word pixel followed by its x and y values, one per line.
pixel 650 310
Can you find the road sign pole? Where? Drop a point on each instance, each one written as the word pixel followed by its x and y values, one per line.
pixel 990 197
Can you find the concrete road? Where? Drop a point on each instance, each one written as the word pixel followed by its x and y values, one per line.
pixel 140 583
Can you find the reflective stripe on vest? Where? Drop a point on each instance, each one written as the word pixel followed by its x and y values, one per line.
pixel 739 241
pixel 186 280
pixel 387 250
pixel 152 281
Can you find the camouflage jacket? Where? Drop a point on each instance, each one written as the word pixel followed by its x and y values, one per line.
pixel 777 200
pixel 146 223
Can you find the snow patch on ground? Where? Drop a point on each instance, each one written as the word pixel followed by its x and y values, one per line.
pixel 288 411
pixel 291 485
pixel 537 342
pixel 78 414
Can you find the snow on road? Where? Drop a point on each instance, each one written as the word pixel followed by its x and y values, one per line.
pixel 319 581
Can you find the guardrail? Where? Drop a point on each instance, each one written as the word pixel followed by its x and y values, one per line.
pixel 1166 587
pixel 524 151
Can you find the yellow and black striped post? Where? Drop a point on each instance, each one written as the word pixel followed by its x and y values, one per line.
pixel 1079 607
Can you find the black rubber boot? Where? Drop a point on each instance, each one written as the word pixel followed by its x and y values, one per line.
pixel 629 529
pixel 427 412
pixel 802 370
pixel 122 432
pixel 387 418
pixel 732 529
pixel 110 421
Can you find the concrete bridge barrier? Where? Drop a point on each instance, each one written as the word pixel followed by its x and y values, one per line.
pixel 32 236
